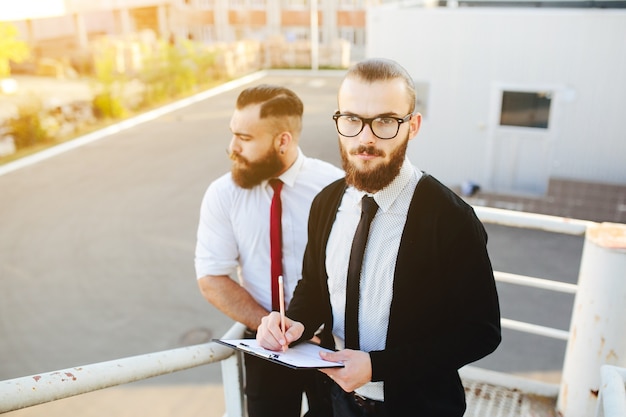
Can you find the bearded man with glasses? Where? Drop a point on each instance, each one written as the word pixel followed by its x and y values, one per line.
pixel 396 265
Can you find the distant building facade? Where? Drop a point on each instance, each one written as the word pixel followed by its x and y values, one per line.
pixel 522 102
pixel 520 98
pixel 55 26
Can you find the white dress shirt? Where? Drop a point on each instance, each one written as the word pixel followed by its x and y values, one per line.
pixel 379 262
pixel 234 229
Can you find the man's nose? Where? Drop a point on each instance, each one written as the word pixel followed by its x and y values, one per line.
pixel 233 146
pixel 367 136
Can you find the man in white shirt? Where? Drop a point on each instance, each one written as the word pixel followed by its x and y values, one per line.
pixel 234 233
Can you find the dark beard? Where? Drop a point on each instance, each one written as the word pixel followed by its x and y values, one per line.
pixel 375 179
pixel 248 174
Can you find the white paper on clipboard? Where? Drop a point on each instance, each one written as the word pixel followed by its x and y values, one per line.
pixel 302 356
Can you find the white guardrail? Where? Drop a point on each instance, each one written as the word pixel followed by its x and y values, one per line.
pixel 37 389
pixel 612 397
pixel 540 222
pixel 51 386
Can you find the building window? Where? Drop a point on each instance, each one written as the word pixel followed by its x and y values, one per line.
pixel 295 33
pixel 242 4
pixel 356 4
pixel 206 33
pixel 295 3
pixel 348 34
pixel 525 109
pixel 199 3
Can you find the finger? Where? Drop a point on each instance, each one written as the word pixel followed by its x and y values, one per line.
pixel 340 356
pixel 267 336
pixel 267 341
pixel 294 331
pixel 275 329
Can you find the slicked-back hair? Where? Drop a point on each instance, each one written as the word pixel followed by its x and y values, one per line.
pixel 381 69
pixel 276 102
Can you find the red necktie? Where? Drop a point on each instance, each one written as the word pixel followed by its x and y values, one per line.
pixel 276 244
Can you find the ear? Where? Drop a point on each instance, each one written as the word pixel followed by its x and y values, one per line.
pixel 414 125
pixel 284 141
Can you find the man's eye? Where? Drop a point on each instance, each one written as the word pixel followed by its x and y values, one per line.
pixel 385 120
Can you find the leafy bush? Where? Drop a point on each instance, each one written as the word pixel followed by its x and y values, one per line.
pixel 106 106
pixel 27 129
pixel 11 49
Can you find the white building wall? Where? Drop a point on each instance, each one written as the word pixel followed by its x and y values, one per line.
pixel 466 54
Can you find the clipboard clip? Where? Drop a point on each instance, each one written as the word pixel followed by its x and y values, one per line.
pixel 268 355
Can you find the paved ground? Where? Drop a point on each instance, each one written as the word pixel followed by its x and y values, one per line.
pixel 96 260
pixel 96 254
pixel 176 400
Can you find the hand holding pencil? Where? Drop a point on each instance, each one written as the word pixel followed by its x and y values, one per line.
pixel 277 331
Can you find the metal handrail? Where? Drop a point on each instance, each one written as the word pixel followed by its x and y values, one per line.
pixel 541 283
pixel 544 284
pixel 536 221
pixel 37 389
pixel 50 386
pixel 612 397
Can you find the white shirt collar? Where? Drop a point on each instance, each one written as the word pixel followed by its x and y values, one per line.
pixel 289 177
pixel 385 197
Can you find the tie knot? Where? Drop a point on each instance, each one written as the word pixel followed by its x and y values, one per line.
pixel 276 185
pixel 369 206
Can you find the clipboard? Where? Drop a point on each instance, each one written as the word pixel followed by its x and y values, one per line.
pixel 301 356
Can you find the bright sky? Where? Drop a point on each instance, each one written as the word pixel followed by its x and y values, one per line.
pixel 30 9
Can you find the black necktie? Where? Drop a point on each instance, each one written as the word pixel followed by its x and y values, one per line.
pixel 368 211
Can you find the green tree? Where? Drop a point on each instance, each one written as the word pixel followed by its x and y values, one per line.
pixel 11 48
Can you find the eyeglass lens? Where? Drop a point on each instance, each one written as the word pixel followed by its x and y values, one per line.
pixel 382 127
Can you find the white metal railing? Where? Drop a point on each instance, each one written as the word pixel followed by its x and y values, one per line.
pixel 50 386
pixel 540 222
pixel 537 221
pixel 541 283
pixel 37 389
pixel 612 396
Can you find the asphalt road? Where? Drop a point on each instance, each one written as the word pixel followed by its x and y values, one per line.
pixel 96 247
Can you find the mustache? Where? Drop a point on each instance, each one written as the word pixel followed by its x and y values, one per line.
pixel 236 157
pixel 368 150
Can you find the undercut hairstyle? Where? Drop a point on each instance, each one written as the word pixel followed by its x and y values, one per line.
pixel 381 69
pixel 277 102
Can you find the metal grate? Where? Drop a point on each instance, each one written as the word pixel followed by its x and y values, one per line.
pixel 484 400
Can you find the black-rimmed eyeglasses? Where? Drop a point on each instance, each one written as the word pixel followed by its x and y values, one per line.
pixel 383 127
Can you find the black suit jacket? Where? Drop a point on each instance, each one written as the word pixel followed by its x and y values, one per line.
pixel 444 312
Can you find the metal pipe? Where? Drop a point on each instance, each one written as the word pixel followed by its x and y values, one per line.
pixel 537 221
pixel 542 283
pixel 41 388
pixel 233 378
pixel 534 329
pixel 612 400
pixel 314 37
pixel 598 320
